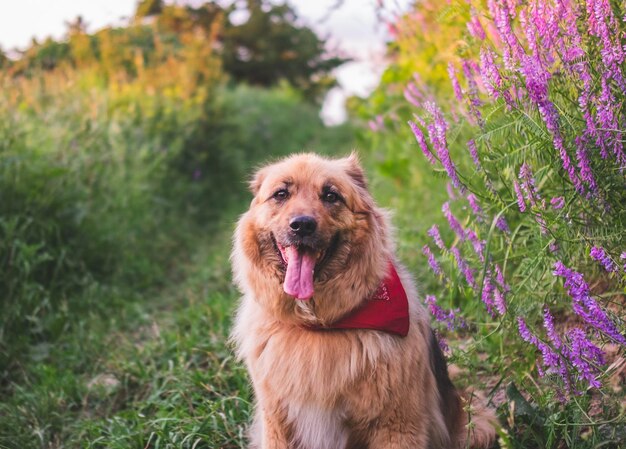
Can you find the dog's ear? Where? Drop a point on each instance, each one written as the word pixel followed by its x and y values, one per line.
pixel 355 171
pixel 257 180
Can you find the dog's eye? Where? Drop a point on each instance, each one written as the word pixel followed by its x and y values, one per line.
pixel 330 197
pixel 281 195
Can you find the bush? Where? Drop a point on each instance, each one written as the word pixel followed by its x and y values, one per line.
pixel 531 143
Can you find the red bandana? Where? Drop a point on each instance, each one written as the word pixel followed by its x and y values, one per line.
pixel 387 310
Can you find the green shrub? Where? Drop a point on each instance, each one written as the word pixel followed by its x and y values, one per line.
pixel 529 137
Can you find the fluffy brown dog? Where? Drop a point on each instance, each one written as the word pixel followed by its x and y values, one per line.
pixel 338 357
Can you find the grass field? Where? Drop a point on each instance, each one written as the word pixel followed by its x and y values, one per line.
pixel 156 372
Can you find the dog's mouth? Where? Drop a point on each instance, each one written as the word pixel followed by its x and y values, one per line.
pixel 301 263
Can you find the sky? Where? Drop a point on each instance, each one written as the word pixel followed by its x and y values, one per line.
pixel 351 27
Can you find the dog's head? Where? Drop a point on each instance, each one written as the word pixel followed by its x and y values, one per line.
pixel 311 219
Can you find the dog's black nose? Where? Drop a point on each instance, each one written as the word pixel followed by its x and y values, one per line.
pixel 303 225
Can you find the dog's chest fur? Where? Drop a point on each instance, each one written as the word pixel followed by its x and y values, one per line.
pixel 318 427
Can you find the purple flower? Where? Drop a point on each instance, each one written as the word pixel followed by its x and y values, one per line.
pixel 449 317
pixel 502 14
pixel 584 165
pixel 553 247
pixel 602 23
pixel 500 279
pixel 585 356
pixel 474 153
pixel 528 185
pixel 500 301
pixel 469 68
pixel 557 202
pixel 575 350
pixel 455 225
pixel 413 95
pixel 377 124
pixel 464 267
pixel 458 93
pixel 490 74
pixel 548 323
pixel 437 130
pixel 502 224
pixel 475 28
pixel 623 257
pixel 599 255
pixel 487 295
pixel 473 202
pixel 434 265
pixel 451 192
pixel 536 77
pixel 584 305
pixel 520 197
pixel 524 332
pixel 433 232
pixel 421 140
pixel 479 245
pixel 608 118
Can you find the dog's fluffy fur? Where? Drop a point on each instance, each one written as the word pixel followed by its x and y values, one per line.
pixel 336 389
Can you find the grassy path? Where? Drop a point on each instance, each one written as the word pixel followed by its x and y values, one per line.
pixel 156 374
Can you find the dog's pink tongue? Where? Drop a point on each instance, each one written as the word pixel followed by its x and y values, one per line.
pixel 299 277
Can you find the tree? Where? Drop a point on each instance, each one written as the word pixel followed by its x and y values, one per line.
pixel 270 47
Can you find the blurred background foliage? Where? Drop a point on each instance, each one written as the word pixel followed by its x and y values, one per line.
pixel 124 155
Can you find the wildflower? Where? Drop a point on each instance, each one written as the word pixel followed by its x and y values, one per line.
pixel 475 28
pixel 377 124
pixel 433 232
pixel 524 332
pixel 585 356
pixel 548 323
pixel 500 279
pixel 608 118
pixel 601 23
pixel 449 317
pixel 421 140
pixel 557 202
pixel 500 301
pixel 464 267
pixel 473 202
pixel 413 95
pixel 455 225
pixel 553 246
pixel 472 91
pixel 584 305
pixel 451 192
pixel 479 245
pixel 474 153
pixel 458 93
pixel 434 265
pixel 502 224
pixel 583 164
pixel 437 130
pixel 487 293
pixel 490 74
pixel 528 184
pixel 502 14
pixel 536 78
pixel 599 254
pixel 520 197
pixel 623 257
